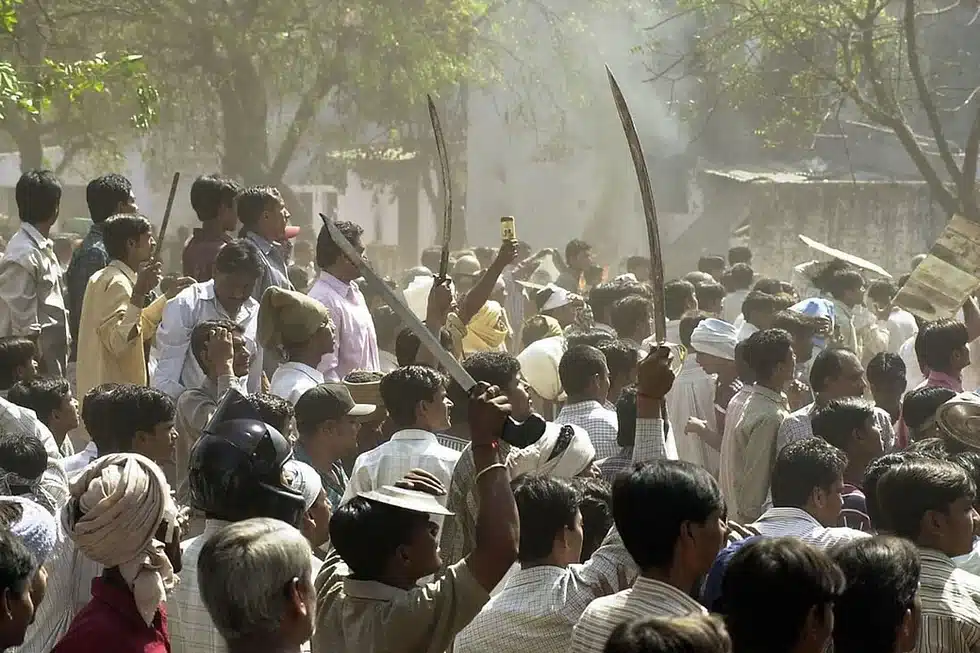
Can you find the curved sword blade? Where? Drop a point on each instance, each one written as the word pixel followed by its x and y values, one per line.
pixel 447 190
pixel 649 209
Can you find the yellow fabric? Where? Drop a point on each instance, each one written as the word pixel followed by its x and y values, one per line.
pixel 487 330
pixel 106 353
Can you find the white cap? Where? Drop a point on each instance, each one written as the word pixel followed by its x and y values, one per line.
pixel 407 499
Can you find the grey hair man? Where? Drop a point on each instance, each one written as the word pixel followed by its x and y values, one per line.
pixel 255 578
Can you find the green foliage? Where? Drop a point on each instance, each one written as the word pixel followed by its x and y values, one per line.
pixel 787 64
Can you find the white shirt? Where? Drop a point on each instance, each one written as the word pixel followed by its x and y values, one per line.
pixel 901 326
pixel 293 379
pixel 75 464
pixel 173 364
pixel 745 331
pixel 731 306
pixel 188 622
pixel 388 463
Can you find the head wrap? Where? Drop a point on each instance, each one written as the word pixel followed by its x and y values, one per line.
pixel 487 330
pixel 288 318
pixel 556 297
pixel 539 366
pixel 36 528
pixel 554 328
pixel 305 480
pixel 417 295
pixel 116 507
pixel 563 451
pixel 36 491
pixel 715 338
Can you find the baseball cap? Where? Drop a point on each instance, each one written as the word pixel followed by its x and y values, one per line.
pixel 328 401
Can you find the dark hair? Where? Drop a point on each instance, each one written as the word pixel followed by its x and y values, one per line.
pixel 99 417
pixel 711 264
pixel 766 351
pixel 909 490
pixel 327 251
pixel 201 333
pixel 576 247
pixel 936 342
pixel 801 468
pixel 603 296
pixel 677 296
pixel 798 325
pixel 595 504
pixel 430 258
pixel 546 507
pixel 757 302
pixel 253 201
pixel 694 633
pixel 836 421
pixel 404 388
pixel 970 461
pixel 121 228
pixel 535 328
pixel 882 291
pixel 238 256
pixel 740 275
pixel 885 366
pixel 578 366
pixel 882 577
pixel 709 292
pixel 104 195
pixel 739 254
pixel 935 448
pixel 843 280
pixel 406 347
pixel 210 193
pixel 626 416
pixel 386 324
pixel 591 338
pixel 827 366
pixel 687 326
pixel 274 411
pixel 621 357
pixel 140 409
pixel 15 352
pixel 920 405
pixel 43 396
pixel 634 263
pixel 872 474
pixel 493 367
pixel 23 454
pixel 367 533
pixel 769 590
pixel 652 502
pixel 629 313
pixel 38 195
pixel 11 512
pixel 17 563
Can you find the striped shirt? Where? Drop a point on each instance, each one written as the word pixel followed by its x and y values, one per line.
pixel 598 421
pixel 647 598
pixel 796 522
pixel 950 606
pixel 538 607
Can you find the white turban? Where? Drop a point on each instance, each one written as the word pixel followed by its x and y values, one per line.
pixel 116 507
pixel 539 366
pixel 36 528
pixel 715 338
pixel 305 480
pixel 563 451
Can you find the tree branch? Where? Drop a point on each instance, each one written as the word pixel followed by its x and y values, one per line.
pixel 925 97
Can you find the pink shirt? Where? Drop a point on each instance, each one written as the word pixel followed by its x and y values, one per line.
pixel 356 343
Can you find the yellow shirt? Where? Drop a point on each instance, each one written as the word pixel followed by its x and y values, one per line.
pixel 106 353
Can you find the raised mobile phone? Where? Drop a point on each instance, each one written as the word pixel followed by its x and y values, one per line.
pixel 508 228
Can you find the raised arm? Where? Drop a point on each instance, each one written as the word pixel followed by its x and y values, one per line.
pixel 497 524
pixel 654 380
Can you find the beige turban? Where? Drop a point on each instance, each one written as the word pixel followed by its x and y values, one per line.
pixel 539 365
pixel 288 318
pixel 115 509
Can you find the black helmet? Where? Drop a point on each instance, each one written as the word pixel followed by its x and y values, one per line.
pixel 235 470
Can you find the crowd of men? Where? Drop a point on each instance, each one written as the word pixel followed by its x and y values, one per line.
pixel 247 450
